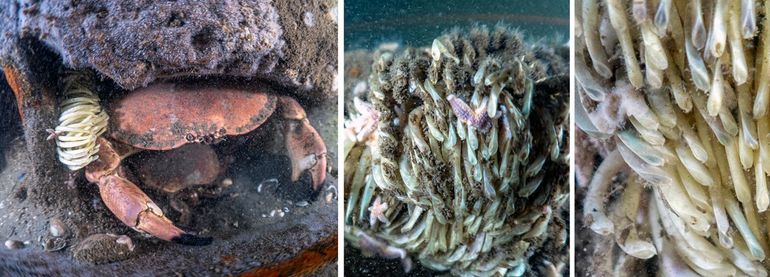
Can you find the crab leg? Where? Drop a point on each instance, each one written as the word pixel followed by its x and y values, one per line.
pixel 307 150
pixel 128 203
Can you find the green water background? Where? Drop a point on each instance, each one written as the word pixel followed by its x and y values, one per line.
pixel 416 23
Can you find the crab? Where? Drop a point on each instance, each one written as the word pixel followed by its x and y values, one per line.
pixel 180 118
pixel 185 174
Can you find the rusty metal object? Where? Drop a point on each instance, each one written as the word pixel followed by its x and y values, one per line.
pixel 166 116
pixel 12 77
pixel 310 260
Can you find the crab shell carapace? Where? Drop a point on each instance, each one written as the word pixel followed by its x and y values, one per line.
pixel 167 116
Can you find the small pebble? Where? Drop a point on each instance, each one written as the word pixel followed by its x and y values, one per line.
pixel 57 227
pixel 13 244
pixel 286 209
pixel 302 203
pixel 125 240
pixel 329 197
pixel 54 244
pixel 227 182
pixel 264 215
pixel 280 213
pixel 272 213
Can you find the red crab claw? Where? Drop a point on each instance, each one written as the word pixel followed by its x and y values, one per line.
pixel 307 150
pixel 129 204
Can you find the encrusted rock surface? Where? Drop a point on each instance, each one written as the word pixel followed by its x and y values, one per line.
pixel 137 42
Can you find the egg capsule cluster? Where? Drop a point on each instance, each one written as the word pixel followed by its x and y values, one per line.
pixel 678 92
pixel 81 122
pixel 459 156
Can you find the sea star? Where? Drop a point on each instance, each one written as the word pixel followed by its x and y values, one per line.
pixel 361 127
pixel 377 212
pixel 477 118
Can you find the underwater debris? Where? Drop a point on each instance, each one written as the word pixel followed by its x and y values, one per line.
pixel 684 127
pixel 457 159
pixel 14 244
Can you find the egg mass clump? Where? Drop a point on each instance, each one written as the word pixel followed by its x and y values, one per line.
pixel 459 155
pixel 674 97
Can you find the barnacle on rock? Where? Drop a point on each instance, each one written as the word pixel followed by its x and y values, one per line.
pixel 463 150
pixel 684 112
